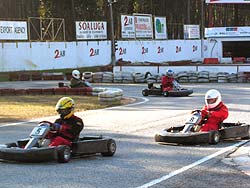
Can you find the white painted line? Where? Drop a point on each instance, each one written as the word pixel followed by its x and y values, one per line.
pixel 132 104
pixel 183 169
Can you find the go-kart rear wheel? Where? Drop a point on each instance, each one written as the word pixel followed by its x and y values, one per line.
pixel 214 137
pixel 165 93
pixel 111 149
pixel 63 154
pixel 145 92
pixel 248 136
pixel 10 145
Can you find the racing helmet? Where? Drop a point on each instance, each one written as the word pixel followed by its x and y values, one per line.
pixel 65 107
pixel 76 74
pixel 170 73
pixel 212 98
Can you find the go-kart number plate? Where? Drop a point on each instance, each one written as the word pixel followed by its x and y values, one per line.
pixel 193 119
pixel 38 131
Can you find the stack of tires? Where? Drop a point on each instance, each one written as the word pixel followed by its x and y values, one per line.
pixel 110 95
pixel 203 77
pixel 139 77
pixel 87 76
pixel 127 77
pixel 222 77
pixel 118 77
pixel 107 77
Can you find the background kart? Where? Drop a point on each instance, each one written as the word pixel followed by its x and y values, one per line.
pixel 30 149
pixel 177 91
pixel 185 134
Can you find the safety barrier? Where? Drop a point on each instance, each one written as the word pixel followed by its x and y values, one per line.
pixel 104 94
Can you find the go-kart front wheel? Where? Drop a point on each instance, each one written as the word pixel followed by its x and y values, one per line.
pixel 111 149
pixel 214 137
pixel 145 92
pixel 165 93
pixel 63 154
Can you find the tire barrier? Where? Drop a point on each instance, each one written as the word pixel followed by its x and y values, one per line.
pixel 110 95
pixel 105 95
pixel 88 76
pixel 139 77
pixel 46 91
pixel 130 77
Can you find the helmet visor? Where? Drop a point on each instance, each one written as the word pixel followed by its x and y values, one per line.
pixel 64 112
pixel 211 101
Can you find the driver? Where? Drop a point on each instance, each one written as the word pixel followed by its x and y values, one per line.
pixel 167 80
pixel 215 111
pixel 76 81
pixel 68 126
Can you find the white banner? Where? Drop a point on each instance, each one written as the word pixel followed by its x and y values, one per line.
pixel 191 32
pixel 227 32
pixel 143 26
pixel 13 30
pixel 227 1
pixel 91 30
pixel 160 28
pixel 128 26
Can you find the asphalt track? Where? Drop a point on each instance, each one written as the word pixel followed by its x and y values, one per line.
pixel 139 161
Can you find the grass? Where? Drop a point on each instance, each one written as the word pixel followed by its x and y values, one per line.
pixel 19 108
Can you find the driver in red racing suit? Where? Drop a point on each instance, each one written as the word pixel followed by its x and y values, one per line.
pixel 167 81
pixel 68 126
pixel 215 111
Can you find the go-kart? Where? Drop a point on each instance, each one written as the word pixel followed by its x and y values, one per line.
pixel 35 149
pixel 177 91
pixel 84 84
pixel 189 132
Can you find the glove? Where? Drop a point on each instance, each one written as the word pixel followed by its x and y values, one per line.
pixel 205 114
pixel 56 126
pixel 196 110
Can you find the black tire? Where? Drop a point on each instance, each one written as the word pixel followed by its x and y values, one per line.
pixel 145 92
pixel 247 137
pixel 158 138
pixel 214 137
pixel 63 154
pixel 165 93
pixel 111 148
pixel 10 145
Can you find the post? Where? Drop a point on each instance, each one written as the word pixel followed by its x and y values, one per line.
pixel 110 2
pixel 202 29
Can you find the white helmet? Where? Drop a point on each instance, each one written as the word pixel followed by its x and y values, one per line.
pixel 212 98
pixel 170 72
pixel 76 74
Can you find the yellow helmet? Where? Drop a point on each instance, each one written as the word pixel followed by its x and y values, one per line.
pixel 65 107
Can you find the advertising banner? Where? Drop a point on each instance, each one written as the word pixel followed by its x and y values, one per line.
pixel 227 1
pixel 191 31
pixel 13 30
pixel 160 28
pixel 128 26
pixel 227 32
pixel 91 30
pixel 143 26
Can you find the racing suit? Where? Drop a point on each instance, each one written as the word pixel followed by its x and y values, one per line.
pixel 69 131
pixel 167 83
pixel 214 117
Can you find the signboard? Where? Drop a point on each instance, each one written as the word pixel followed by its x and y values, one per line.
pixel 227 1
pixel 128 26
pixel 143 26
pixel 191 31
pixel 13 30
pixel 227 32
pixel 91 30
pixel 160 28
